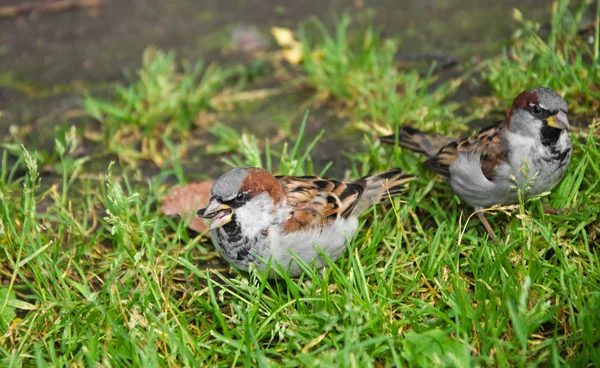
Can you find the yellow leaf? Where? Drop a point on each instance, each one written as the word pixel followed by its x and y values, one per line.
pixel 292 49
pixel 292 55
pixel 284 37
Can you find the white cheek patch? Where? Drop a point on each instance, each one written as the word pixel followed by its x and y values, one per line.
pixel 256 215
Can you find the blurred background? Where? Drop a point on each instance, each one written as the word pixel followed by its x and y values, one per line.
pixel 92 41
pixel 52 52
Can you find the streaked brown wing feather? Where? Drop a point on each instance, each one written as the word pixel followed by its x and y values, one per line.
pixel 487 144
pixel 317 201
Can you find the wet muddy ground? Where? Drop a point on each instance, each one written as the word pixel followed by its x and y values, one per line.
pixel 48 60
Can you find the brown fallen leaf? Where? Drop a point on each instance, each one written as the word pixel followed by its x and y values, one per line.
pixel 185 200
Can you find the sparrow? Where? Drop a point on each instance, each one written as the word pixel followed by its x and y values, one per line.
pixel 488 168
pixel 256 216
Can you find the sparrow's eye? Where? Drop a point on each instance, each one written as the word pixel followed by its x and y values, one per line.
pixel 241 198
pixel 536 109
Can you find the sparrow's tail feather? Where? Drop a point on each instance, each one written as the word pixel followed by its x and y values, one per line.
pixel 380 187
pixel 415 140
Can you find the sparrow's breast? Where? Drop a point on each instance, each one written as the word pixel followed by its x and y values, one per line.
pixel 469 182
pixel 551 165
pixel 234 245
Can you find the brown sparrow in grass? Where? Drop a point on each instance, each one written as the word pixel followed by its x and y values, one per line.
pixel 488 168
pixel 256 216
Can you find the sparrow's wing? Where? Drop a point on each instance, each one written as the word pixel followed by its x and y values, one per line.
pixel 318 201
pixel 487 146
pixel 315 201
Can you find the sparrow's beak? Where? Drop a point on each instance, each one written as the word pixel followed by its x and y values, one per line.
pixel 559 121
pixel 218 213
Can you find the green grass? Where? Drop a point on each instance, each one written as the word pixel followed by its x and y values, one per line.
pixel 91 274
pixel 163 100
pixel 563 60
pixel 362 74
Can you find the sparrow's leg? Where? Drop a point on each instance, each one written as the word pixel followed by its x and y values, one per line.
pixel 486 224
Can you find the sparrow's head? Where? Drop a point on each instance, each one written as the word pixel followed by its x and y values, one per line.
pixel 237 189
pixel 538 112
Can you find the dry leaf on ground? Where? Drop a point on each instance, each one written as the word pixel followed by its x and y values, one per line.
pixel 185 200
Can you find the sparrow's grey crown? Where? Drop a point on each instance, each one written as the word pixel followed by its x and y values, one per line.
pixel 228 185
pixel 550 100
pixel 524 121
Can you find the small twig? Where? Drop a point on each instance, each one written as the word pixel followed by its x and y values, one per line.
pixel 48 6
pixel 246 96
pixel 443 61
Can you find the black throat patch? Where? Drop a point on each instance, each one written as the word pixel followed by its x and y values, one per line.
pixel 235 244
pixel 233 230
pixel 550 135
